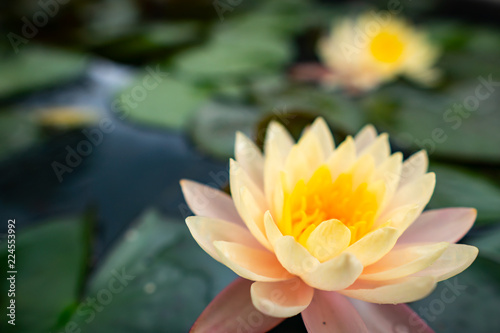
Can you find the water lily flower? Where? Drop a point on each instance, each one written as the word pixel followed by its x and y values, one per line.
pixel 363 52
pixel 336 234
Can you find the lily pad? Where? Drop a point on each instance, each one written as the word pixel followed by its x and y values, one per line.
pixel 214 128
pixel 456 187
pixel 36 67
pixel 157 279
pixel 159 100
pixel 49 260
pixel 17 132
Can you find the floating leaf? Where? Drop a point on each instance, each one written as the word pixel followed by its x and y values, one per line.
pixel 49 260
pixel 157 279
pixel 214 128
pixel 36 67
pixel 457 187
pixel 161 101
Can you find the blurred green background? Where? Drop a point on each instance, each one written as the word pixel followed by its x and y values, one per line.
pixel 157 89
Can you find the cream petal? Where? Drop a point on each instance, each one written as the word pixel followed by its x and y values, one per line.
pixel 249 202
pixel 362 170
pixel 320 129
pixel 273 233
pixel 365 137
pixel 328 240
pixel 414 167
pixel 304 158
pixel 250 263
pixel 277 146
pixel 383 318
pixel 403 290
pixel 417 192
pixel 206 201
pixel 250 158
pixel 404 260
pixel 374 245
pixel 453 261
pixel 390 172
pixel 232 310
pixel 331 312
pixel 440 225
pixel 281 299
pixel 342 158
pixel 206 230
pixel 334 274
pixel 379 149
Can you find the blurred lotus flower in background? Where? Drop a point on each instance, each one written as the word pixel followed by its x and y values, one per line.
pixel 362 53
pixel 312 224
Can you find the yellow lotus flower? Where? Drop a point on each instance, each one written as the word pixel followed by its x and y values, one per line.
pixel 309 224
pixel 364 52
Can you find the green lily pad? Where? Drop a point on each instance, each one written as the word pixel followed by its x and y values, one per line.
pixel 474 293
pixel 160 100
pixel 49 260
pixel 17 132
pixel 441 124
pixel 214 128
pixel 457 187
pixel 35 67
pixel 488 244
pixel 157 279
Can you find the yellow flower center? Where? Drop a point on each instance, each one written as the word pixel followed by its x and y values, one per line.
pixel 323 199
pixel 387 47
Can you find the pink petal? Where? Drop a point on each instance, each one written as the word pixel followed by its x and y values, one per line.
pixel 440 225
pixel 383 318
pixel 207 201
pixel 331 312
pixel 232 311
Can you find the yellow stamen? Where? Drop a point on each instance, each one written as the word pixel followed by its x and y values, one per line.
pixel 323 199
pixel 387 47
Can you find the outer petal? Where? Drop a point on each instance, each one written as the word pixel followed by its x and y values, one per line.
pixel 342 158
pixel 334 274
pixel 440 225
pixel 324 135
pixel 419 192
pixel 276 148
pixel 331 312
pixel 250 263
pixel 393 291
pixel 454 260
pixel 304 158
pixel 206 201
pixel 328 239
pixel 206 230
pixel 249 201
pixel 383 318
pixel 404 261
pixel 379 149
pixel 232 311
pixel 374 245
pixel 250 158
pixel 281 299
pixel 414 167
pixel 365 137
